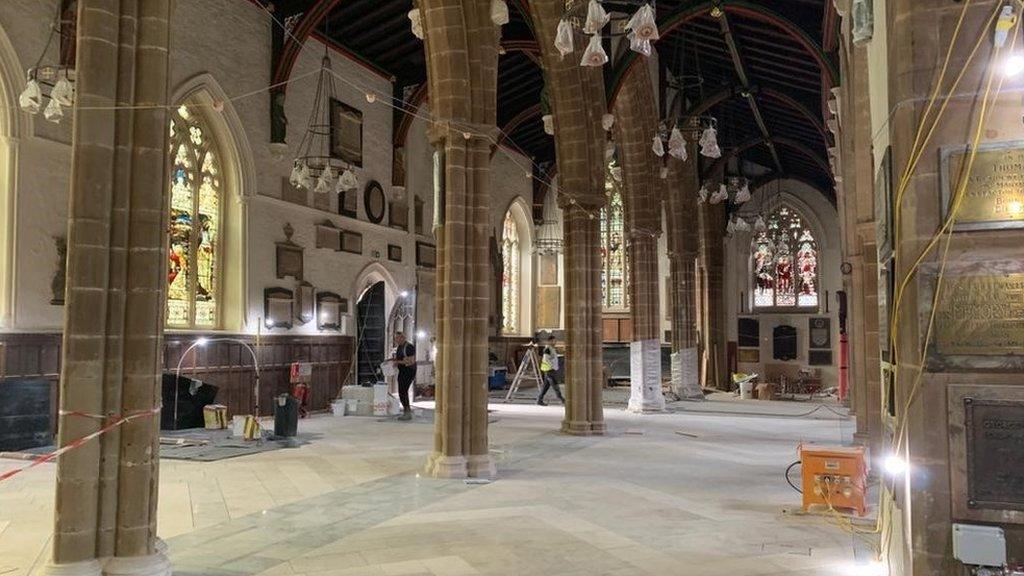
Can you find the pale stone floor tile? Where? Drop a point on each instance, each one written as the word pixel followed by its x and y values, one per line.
pixel 352 502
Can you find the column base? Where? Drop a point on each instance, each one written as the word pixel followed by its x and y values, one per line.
pixel 645 377
pixel 441 466
pixel 481 466
pixel 152 565
pixel 84 568
pixel 686 375
pixel 577 427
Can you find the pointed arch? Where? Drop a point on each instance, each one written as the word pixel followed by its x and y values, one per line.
pixel 14 125
pixel 515 238
pixel 204 97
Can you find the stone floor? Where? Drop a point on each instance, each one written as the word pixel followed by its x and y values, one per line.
pixel 696 492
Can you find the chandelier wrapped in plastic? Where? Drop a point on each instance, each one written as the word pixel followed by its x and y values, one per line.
pixel 549 233
pixel 499 12
pixel 743 194
pixel 731 226
pixel 549 124
pixel 657 146
pixel 759 224
pixel 596 18
pixel 607 121
pixel 742 225
pixel 640 28
pixel 563 38
pixel 416 22
pixel 315 168
pixel 702 194
pixel 643 30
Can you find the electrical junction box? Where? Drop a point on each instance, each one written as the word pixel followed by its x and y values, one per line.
pixel 834 476
pixel 979 545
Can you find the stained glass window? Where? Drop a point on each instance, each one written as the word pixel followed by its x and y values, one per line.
pixel 510 275
pixel 193 264
pixel 784 262
pixel 615 264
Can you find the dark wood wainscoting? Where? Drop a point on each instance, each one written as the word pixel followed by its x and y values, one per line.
pixel 225 364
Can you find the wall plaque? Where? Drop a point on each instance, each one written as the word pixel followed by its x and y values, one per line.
pixel 820 333
pixel 995 453
pixel 981 315
pixel 994 195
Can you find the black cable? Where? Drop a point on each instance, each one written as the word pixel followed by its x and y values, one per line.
pixel 790 482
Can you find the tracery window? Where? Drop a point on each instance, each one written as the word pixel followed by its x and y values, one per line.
pixel 193 267
pixel 784 262
pixel 510 272
pixel 615 264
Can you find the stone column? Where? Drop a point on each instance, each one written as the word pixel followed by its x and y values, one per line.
pixel 711 218
pixel 106 490
pixel 578 103
pixel 919 36
pixel 636 122
pixel 462 63
pixel 681 205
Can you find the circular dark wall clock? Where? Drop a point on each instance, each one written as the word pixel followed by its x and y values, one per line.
pixel 374 201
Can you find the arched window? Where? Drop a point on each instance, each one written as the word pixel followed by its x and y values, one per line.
pixel 510 273
pixel 193 273
pixel 615 264
pixel 784 262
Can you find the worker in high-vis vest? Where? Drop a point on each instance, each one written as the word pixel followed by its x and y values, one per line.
pixel 549 371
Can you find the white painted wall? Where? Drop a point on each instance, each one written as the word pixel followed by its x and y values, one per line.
pixel 823 220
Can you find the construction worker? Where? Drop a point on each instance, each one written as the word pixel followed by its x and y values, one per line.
pixel 549 371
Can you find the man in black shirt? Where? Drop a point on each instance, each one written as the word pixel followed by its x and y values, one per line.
pixel 405 359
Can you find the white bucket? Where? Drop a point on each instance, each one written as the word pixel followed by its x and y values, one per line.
pixel 747 390
pixel 338 407
pixel 352 406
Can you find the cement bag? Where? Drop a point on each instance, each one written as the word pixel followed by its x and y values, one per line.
pixel 380 400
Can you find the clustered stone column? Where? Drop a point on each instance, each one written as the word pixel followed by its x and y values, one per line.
pixel 577 101
pixel 712 299
pixel 112 345
pixel 462 63
pixel 682 229
pixel 636 122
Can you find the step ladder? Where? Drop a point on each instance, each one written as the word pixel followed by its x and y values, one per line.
pixel 529 370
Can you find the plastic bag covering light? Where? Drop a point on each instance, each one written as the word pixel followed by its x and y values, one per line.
pixel 638 45
pixel 549 233
pixel 499 12
pixel 53 111
pixel 702 194
pixel 742 225
pixel 731 226
pixel 596 18
pixel 609 151
pixel 325 181
pixel 709 143
pixel 347 181
pixel 677 144
pixel 63 92
pixel 663 173
pixel 594 54
pixel 759 224
pixel 563 38
pixel 657 146
pixel 642 24
pixel 721 195
pixel 31 99
pixel 743 195
pixel 549 124
pixel 607 121
pixel 416 22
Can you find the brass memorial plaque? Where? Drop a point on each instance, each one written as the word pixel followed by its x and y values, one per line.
pixel 994 196
pixel 981 315
pixel 995 453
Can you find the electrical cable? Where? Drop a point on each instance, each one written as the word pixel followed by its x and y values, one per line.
pixel 790 482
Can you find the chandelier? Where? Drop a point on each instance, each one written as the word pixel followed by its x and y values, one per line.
pixel 606 19
pixel 50 83
pixel 549 233
pixel 315 167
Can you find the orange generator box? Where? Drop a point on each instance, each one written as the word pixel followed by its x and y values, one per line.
pixel 834 476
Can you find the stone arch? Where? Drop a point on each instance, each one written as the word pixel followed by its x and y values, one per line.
pixel 371 274
pixel 219 114
pixel 14 125
pixel 519 209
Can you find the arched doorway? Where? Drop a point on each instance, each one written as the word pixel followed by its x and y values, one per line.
pixel 370 321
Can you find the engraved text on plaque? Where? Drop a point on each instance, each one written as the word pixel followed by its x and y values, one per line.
pixel 994 195
pixel 981 315
pixel 995 453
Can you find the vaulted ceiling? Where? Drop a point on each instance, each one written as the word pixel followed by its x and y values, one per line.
pixel 756 66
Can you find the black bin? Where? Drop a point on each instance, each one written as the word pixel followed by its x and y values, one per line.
pixel 286 415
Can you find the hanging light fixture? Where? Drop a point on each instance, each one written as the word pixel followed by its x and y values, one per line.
pixel 709 143
pixel 416 22
pixel 315 168
pixel 49 83
pixel 549 233
pixel 606 19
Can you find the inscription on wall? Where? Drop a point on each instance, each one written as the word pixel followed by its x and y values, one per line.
pixel 995 453
pixel 994 195
pixel 981 315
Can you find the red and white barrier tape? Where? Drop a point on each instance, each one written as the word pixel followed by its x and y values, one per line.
pixel 42 459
